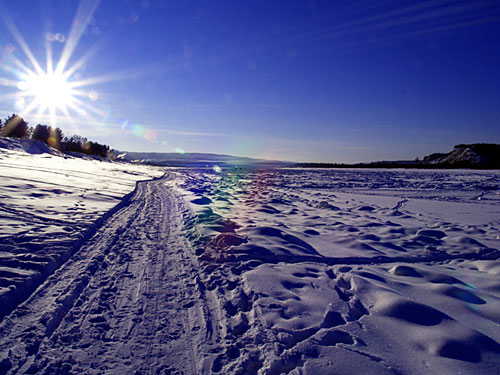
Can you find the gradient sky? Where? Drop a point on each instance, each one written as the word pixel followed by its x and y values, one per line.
pixel 333 81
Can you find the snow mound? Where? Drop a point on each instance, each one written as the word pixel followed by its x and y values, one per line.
pixel 263 272
pixel 31 146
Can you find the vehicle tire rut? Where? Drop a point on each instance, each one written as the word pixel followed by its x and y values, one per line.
pixel 127 302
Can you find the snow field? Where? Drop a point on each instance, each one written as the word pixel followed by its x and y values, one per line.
pixel 325 272
pixel 245 271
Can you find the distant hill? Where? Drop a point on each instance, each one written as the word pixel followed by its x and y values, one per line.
pixel 478 154
pixel 198 160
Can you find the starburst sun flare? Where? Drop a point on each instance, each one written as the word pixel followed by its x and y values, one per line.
pixel 50 91
pixel 53 90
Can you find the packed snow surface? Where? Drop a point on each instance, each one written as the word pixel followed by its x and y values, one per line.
pixel 209 271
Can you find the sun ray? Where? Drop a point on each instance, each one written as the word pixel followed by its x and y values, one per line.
pixel 54 91
pixel 9 96
pixel 20 66
pixel 83 16
pixel 92 109
pixel 78 92
pixel 19 38
pixel 48 49
pixel 124 74
pixel 71 121
pixel 82 60
pixel 419 16
pixel 29 109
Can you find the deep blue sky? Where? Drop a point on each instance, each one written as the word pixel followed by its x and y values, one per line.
pixel 338 81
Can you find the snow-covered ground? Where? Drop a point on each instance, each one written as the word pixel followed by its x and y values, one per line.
pixel 352 271
pixel 201 271
pixel 49 204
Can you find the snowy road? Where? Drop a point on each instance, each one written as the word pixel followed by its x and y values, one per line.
pixel 127 302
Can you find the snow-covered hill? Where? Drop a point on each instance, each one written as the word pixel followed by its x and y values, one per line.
pixel 30 146
pixel 468 155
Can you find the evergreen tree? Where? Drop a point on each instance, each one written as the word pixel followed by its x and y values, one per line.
pixel 58 135
pixel 41 133
pixel 15 127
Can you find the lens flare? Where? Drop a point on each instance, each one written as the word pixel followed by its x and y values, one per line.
pixel 150 135
pixel 93 95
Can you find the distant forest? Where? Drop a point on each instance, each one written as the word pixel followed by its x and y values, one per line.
pixel 15 126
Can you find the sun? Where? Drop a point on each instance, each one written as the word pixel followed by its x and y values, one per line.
pixel 50 90
pixel 56 89
pixel 61 90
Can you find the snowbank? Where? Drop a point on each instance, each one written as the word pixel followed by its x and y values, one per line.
pixel 48 204
pixel 30 146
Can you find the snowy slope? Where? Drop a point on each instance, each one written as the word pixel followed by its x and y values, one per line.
pixel 204 271
pixel 472 155
pixel 49 203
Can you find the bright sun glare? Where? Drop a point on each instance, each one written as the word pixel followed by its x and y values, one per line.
pixel 55 89
pixel 50 91
pixel 60 91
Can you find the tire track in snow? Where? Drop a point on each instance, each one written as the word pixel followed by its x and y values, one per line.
pixel 127 302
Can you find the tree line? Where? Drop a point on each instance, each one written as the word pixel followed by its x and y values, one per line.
pixel 15 126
